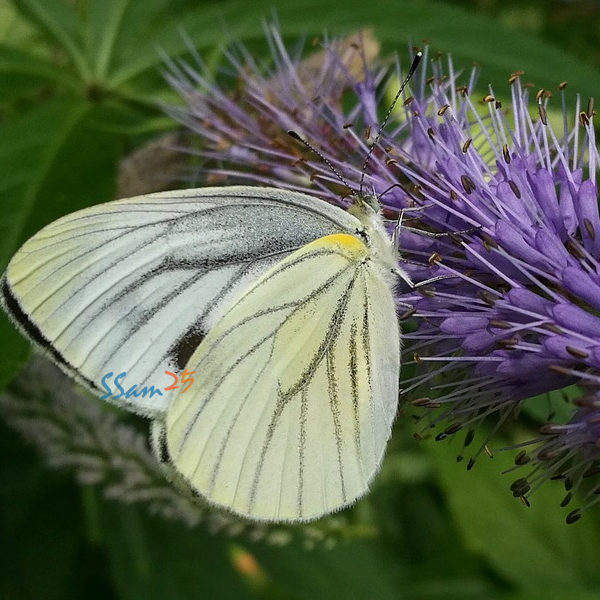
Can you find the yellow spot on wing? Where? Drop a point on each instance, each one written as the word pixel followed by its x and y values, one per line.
pixel 346 244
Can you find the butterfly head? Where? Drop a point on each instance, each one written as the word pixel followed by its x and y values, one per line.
pixel 364 205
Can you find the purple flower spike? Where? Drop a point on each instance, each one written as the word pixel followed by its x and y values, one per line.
pixel 511 203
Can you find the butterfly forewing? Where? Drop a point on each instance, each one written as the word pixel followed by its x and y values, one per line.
pixel 134 285
pixel 295 389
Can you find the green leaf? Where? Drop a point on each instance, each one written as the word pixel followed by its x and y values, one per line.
pixel 351 570
pixel 530 547
pixel 58 21
pixel 22 73
pixel 554 406
pixel 53 162
pixel 416 529
pixel 468 37
pixel 102 23
pixel 13 28
pixel 14 350
pixel 164 560
pixel 40 522
pixel 115 30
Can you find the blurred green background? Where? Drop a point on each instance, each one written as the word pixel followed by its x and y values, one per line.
pixel 79 85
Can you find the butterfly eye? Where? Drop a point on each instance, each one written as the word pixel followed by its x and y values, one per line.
pixel 372 202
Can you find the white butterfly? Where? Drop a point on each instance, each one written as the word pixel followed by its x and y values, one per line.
pixel 280 303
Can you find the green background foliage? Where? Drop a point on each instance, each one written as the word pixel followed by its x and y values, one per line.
pixel 79 89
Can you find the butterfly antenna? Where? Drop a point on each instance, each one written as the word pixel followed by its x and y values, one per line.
pixel 411 72
pixel 293 134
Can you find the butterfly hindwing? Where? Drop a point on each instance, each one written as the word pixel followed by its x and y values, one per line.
pixel 295 389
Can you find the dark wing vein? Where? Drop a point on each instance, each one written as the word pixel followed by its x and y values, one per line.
pixel 303 382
